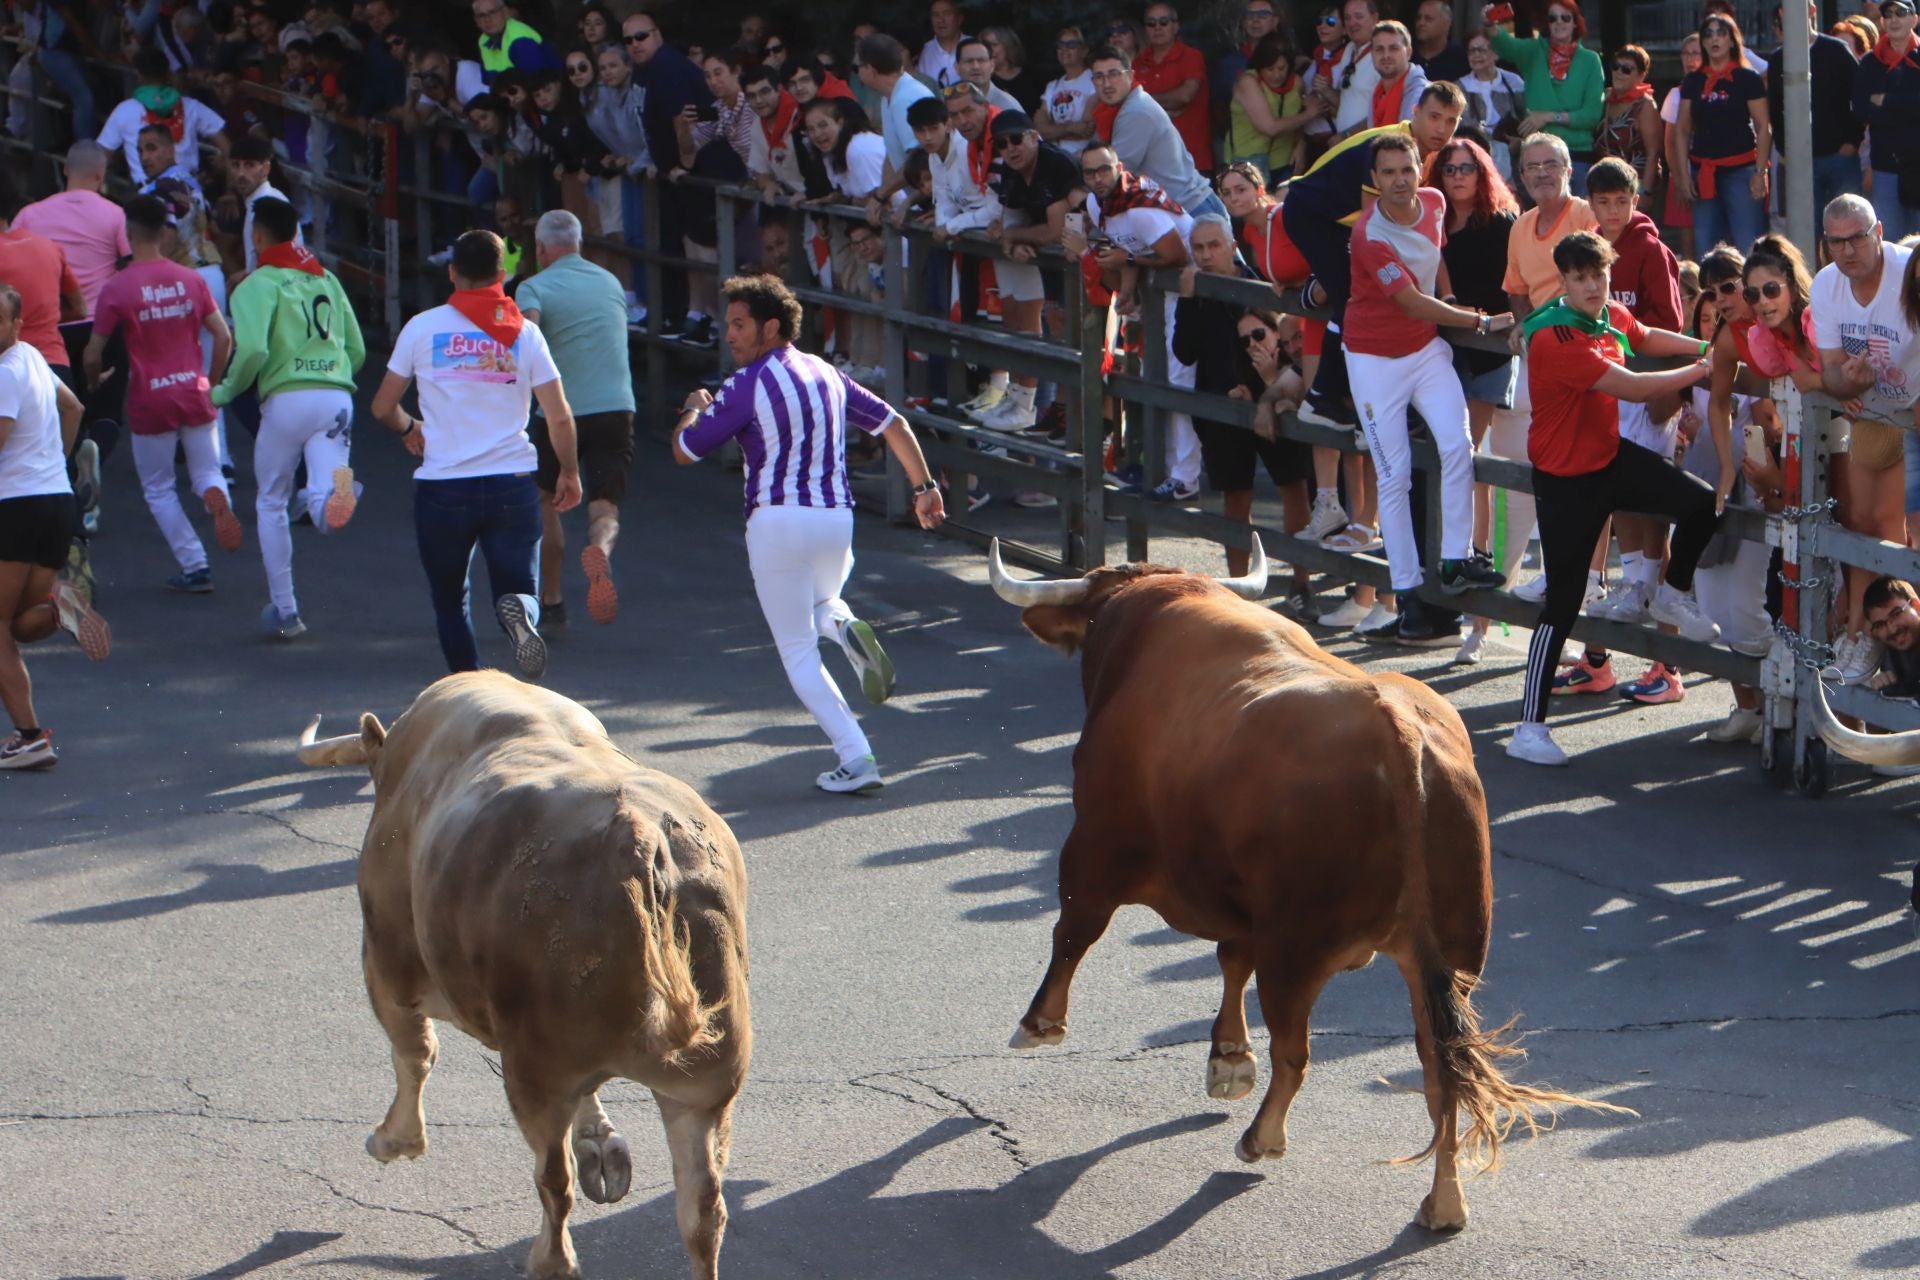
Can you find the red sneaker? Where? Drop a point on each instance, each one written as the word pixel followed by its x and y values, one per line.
pixel 603 601
pixel 1585 676
pixel 77 618
pixel 341 502
pixel 226 525
pixel 1660 684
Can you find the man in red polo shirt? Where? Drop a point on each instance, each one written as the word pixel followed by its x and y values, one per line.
pixel 1175 75
pixel 1583 472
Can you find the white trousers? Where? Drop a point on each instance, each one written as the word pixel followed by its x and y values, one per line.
pixel 801 558
pixel 216 281
pixel 1734 594
pixel 153 458
pixel 1183 442
pixel 316 424
pixel 1383 388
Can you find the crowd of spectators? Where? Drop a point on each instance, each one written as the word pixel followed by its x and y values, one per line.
pixel 1129 143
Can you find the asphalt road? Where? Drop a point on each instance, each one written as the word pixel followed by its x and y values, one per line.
pixel 188 1066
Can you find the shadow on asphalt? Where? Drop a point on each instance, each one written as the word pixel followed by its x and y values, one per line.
pixel 848 1225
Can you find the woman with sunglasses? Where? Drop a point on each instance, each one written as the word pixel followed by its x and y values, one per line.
pixel 1065 117
pixel 1269 109
pixel 1566 84
pixel 1730 581
pixel 1481 211
pixel 1496 102
pixel 1630 127
pixel 1321 79
pixel 1125 36
pixel 1725 137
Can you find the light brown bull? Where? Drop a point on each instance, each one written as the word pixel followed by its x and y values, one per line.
pixel 580 914
pixel 1259 792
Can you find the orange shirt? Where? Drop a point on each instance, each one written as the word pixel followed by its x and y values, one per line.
pixel 1181 63
pixel 1530 268
pixel 38 269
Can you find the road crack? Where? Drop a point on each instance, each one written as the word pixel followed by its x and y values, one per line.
pixel 1001 1131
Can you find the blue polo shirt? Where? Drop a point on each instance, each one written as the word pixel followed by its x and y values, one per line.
pixel 583 315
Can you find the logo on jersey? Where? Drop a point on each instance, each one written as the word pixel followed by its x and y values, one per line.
pixel 1389 273
pixel 472 357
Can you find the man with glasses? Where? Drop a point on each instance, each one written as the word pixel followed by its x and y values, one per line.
pixel 1031 179
pixel 939 61
pixel 1257 21
pixel 975 61
pixel 1143 135
pixel 1175 74
pixel 1066 116
pixel 1886 99
pixel 670 83
pixel 508 43
pixel 1893 618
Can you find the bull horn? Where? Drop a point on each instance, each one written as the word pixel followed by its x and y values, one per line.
pixel 1028 594
pixel 348 748
pixel 1867 748
pixel 1253 584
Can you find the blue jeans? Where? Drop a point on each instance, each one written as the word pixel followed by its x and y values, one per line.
pixel 1209 203
pixel 65 71
pixel 1733 216
pixel 1897 221
pixel 500 515
pixel 1833 175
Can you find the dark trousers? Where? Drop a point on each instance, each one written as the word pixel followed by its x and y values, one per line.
pixel 498 514
pixel 1572 511
pixel 1328 248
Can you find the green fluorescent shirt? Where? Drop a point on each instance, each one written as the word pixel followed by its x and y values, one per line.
pixel 293 332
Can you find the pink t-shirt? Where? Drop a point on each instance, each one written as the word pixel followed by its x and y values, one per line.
pixel 161 307
pixel 1388 258
pixel 91 229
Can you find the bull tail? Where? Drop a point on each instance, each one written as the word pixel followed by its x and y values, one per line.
pixel 678 1024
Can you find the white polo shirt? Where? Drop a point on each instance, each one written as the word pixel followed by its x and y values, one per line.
pixel 475 393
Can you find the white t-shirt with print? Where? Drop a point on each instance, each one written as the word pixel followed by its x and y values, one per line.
pixel 475 394
pixel 1878 328
pixel 32 461
pixel 1069 102
pixel 198 121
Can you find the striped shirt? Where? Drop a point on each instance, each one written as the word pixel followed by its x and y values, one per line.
pixel 791 412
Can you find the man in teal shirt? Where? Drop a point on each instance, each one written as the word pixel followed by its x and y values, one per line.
pixel 582 311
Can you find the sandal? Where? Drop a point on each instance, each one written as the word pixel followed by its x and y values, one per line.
pixel 1355 539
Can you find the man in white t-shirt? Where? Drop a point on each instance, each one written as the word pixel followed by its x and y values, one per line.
pixel 1132 225
pixel 1867 347
pixel 1355 75
pixel 1066 106
pixel 39 421
pixel 939 61
pixel 156 101
pixel 480 366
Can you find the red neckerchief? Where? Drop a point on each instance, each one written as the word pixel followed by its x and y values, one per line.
pixel 1717 77
pixel 1883 50
pixel 980 154
pixel 1135 192
pixel 175 122
pixel 1324 60
pixel 832 86
pixel 1641 90
pixel 781 126
pixel 293 257
pixel 1387 96
pixel 1560 59
pixel 492 310
pixel 1103 118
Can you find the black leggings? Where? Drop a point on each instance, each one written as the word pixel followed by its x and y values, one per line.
pixel 1327 245
pixel 1573 510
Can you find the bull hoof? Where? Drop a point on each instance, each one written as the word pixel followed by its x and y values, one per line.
pixel 548 1263
pixel 1044 1031
pixel 1231 1072
pixel 1449 1219
pixel 386 1148
pixel 605 1167
pixel 1250 1150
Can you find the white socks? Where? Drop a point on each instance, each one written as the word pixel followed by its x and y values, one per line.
pixel 1020 397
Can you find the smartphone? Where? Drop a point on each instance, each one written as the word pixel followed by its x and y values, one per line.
pixel 1754 441
pixel 707 113
pixel 1077 224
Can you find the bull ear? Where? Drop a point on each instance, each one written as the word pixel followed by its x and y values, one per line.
pixel 373 736
pixel 1063 626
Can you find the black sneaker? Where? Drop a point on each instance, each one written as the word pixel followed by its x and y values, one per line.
pixel 1476 573
pixel 1387 628
pixel 1421 632
pixel 553 617
pixel 701 333
pixel 516 614
pixel 1322 414
pixel 1171 490
pixel 1052 423
pixel 672 330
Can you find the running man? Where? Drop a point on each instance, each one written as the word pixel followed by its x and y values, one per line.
pixel 296 335
pixel 159 308
pixel 582 310
pixel 791 412
pixel 39 420
pixel 480 368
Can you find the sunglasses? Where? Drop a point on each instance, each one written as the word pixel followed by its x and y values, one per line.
pixel 776 48
pixel 1330 20
pixel 1095 171
pixel 1459 170
pixel 1727 288
pixel 1555 19
pixel 1716 29
pixel 1770 290
pixel 1120 29
pixel 1010 140
pixel 1252 336
pixel 1625 69
pixel 641 37
pixel 1068 44
pixel 1159 22
pixel 578 68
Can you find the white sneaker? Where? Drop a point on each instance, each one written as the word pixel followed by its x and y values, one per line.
pixel 870 661
pixel 852 779
pixel 1596 587
pixel 1006 416
pixel 1857 657
pixel 989 397
pixel 1379 616
pixel 1532 743
pixel 1626 602
pixel 1328 518
pixel 1533 590
pixel 1680 610
pixel 1897 770
pixel 1350 614
pixel 1034 500
pixel 1472 649
pixel 1739 726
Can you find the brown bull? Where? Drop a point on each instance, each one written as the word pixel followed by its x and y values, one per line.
pixel 525 880
pixel 1261 793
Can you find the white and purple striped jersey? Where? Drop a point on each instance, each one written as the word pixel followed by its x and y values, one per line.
pixel 791 412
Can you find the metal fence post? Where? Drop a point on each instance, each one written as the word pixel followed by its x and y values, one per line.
pixel 656 357
pixel 1816 591
pixel 319 142
pixel 1153 442
pixel 1089 398
pixel 727 265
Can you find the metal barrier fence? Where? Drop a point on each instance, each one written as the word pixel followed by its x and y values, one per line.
pixel 360 229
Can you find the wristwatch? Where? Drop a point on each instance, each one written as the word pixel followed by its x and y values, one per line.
pixel 931 486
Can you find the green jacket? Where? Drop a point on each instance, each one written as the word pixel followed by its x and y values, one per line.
pixel 293 332
pixel 1582 95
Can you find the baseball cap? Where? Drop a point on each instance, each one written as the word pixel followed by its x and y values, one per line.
pixel 1010 124
pixel 1895 6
